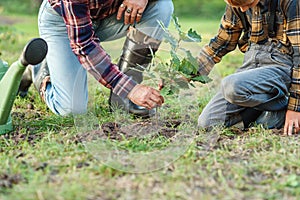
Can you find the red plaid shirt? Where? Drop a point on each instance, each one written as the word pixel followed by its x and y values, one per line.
pixel 78 15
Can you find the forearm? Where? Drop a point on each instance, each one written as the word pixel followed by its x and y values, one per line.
pixel 224 42
pixel 88 50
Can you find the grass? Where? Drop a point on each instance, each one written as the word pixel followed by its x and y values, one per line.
pixel 45 158
pixel 24 28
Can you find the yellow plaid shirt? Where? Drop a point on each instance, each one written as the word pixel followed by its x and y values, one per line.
pixel 231 31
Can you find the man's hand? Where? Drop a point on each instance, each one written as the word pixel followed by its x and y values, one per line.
pixel 292 122
pixel 145 96
pixel 132 10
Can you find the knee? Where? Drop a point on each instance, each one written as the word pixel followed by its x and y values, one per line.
pixel 231 89
pixel 203 122
pixel 205 119
pixel 73 111
pixel 65 108
pixel 164 10
pixel 65 111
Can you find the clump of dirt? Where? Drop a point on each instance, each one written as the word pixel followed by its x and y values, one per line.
pixel 213 139
pixel 18 136
pixel 24 132
pixel 276 131
pixel 119 131
pixel 8 181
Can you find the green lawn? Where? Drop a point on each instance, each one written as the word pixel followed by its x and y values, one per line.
pixel 50 157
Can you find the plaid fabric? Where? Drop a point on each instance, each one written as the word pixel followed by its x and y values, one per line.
pixel 230 35
pixel 78 15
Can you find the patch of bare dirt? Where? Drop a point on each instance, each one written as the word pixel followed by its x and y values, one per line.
pixel 5 20
pixel 19 135
pixel 117 131
pixel 8 180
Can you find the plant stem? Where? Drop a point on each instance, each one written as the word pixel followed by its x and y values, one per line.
pixel 156 115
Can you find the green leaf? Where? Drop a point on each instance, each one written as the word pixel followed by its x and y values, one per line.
pixel 293 181
pixel 202 79
pixel 175 62
pixel 158 68
pixel 189 64
pixel 186 67
pixel 193 61
pixel 182 83
pixel 179 66
pixel 176 23
pixel 183 36
pixel 193 36
pixel 166 90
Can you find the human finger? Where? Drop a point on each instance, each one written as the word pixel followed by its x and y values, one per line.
pixel 156 99
pixel 157 94
pixel 139 16
pixel 290 128
pixel 285 128
pixel 161 84
pixel 151 105
pixel 127 15
pixel 121 11
pixel 133 16
pixel 296 128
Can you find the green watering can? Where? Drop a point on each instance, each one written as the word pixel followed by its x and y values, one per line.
pixel 10 77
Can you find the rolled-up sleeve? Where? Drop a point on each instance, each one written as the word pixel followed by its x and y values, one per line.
pixel 225 41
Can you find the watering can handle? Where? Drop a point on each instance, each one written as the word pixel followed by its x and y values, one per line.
pixel 34 52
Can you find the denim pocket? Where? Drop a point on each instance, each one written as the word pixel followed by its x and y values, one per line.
pixel 50 20
pixel 281 59
pixel 48 13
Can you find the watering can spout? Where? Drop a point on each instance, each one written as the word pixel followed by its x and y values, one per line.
pixel 10 77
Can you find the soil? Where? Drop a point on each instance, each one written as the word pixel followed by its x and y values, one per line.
pixel 117 131
pixel 114 131
pixel 8 180
pixel 4 20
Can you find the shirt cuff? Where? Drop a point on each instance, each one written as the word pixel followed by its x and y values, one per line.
pixel 206 63
pixel 124 86
pixel 294 103
pixel 108 74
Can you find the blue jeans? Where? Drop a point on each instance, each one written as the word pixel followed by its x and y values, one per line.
pixel 262 83
pixel 68 91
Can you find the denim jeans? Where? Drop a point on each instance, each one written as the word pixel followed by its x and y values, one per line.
pixel 262 82
pixel 68 91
